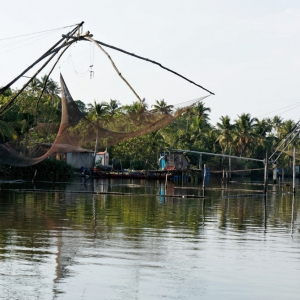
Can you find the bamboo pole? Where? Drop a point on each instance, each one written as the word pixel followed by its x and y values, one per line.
pixel 229 167
pixel 294 170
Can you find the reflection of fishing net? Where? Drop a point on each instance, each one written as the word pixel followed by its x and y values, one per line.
pixel 77 132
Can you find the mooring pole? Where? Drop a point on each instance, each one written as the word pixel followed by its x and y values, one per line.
pixel 203 183
pixel 200 166
pixel 266 174
pixel 294 170
pixel 223 176
pixel 166 182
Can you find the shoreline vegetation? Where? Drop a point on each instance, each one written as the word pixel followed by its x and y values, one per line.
pixel 245 135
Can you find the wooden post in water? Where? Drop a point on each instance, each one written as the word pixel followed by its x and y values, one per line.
pixel 274 173
pixel 166 183
pixel 266 174
pixel 223 176
pixel 204 176
pixel 294 170
pixel 200 166
pixel 203 211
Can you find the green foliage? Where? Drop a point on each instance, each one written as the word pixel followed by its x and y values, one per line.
pixel 49 169
pixel 246 136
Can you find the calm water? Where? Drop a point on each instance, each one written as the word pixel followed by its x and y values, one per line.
pixel 63 242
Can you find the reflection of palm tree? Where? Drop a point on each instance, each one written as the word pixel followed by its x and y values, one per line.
pixel 162 107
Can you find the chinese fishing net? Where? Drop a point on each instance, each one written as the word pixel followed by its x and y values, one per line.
pixel 75 132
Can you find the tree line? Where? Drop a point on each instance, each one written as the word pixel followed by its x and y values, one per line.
pixel 245 135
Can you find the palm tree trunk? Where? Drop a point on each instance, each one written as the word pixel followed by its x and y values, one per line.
pixel 97 142
pixel 25 143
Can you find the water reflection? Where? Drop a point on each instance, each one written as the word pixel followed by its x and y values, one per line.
pixel 149 243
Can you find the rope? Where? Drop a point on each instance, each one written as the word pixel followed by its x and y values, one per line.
pixel 115 67
pixel 36 32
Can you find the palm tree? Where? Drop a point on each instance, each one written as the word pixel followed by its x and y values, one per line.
pixel 201 111
pixel 156 141
pixel 225 132
pixel 264 139
pixel 285 128
pixel 113 107
pixel 199 128
pixel 98 112
pixel 81 106
pixel 35 86
pixel 53 90
pixel 7 132
pixel 275 122
pixel 25 122
pixel 162 107
pixel 244 132
pixel 134 108
pixel 188 114
pixel 44 82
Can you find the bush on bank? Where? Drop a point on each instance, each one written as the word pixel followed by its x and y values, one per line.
pixel 47 169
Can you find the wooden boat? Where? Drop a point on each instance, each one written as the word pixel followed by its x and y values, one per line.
pixel 139 174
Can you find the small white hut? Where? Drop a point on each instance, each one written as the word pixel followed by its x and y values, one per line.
pixel 102 158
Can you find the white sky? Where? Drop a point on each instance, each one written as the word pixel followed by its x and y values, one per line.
pixel 246 52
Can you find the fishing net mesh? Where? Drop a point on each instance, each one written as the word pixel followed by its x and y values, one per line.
pixel 76 133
